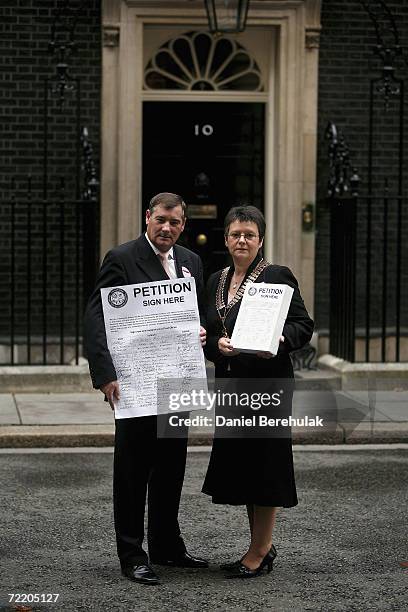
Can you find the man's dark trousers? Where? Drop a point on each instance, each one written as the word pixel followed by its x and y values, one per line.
pixel 142 460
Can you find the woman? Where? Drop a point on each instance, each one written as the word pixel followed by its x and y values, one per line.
pixel 257 473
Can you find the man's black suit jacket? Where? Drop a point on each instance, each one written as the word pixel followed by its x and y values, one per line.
pixel 128 264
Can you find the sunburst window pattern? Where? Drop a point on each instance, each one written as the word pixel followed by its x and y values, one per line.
pixel 202 62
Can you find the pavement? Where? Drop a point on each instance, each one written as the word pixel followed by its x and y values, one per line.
pixel 342 549
pixel 349 416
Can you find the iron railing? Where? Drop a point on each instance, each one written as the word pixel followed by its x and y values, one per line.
pixel 369 283
pixel 51 270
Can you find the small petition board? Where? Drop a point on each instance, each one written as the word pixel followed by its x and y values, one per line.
pixel 262 315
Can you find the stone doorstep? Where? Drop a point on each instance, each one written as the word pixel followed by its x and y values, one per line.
pixel 340 366
pixel 45 379
pixel 356 376
pixel 75 379
pixel 51 436
pixel 335 374
pixel 51 379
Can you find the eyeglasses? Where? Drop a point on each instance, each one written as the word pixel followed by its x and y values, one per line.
pixel 248 236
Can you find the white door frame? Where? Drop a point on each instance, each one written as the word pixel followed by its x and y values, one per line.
pixel 291 118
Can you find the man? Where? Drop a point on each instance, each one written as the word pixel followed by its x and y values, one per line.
pixel 142 461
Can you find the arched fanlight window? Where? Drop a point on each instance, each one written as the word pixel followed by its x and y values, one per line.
pixel 202 62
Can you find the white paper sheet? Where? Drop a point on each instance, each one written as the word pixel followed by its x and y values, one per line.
pixel 152 331
pixel 261 317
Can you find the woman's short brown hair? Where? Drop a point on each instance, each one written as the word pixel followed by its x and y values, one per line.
pixel 245 213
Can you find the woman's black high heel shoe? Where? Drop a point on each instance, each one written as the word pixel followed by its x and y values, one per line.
pixel 237 569
pixel 232 565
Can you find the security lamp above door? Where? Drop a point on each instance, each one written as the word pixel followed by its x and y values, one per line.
pixel 226 16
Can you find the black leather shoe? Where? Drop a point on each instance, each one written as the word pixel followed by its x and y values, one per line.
pixel 140 573
pixel 182 560
pixel 239 570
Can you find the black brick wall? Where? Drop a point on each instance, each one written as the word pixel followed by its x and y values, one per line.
pixel 25 30
pixel 346 65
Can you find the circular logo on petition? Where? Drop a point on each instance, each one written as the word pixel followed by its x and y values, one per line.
pixel 117 298
pixel 251 291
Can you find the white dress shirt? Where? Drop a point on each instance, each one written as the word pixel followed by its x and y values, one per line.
pixel 169 255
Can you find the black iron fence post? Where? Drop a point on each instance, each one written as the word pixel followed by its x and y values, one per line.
pixel 343 277
pixel 89 214
pixel 342 196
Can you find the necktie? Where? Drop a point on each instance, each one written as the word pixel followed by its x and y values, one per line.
pixel 165 263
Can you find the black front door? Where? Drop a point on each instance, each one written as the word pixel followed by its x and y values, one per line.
pixel 212 154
